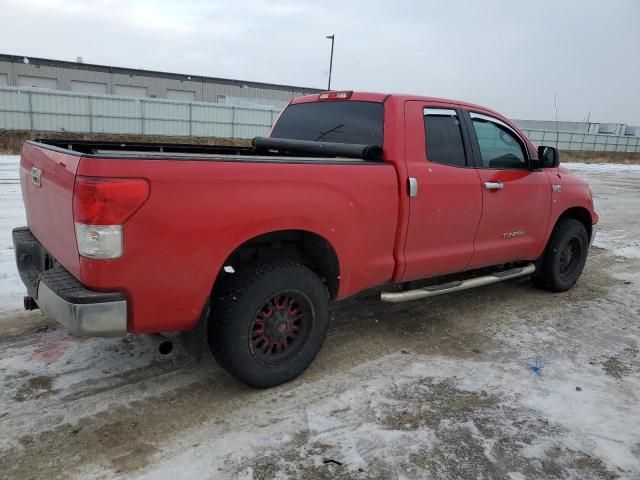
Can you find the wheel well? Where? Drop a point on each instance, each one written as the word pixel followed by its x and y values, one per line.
pixel 581 214
pixel 300 246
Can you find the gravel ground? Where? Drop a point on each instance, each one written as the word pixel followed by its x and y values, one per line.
pixel 506 381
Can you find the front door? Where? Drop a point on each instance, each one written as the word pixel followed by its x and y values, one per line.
pixel 516 201
pixel 446 198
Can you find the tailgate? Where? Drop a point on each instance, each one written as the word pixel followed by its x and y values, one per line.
pixel 47 179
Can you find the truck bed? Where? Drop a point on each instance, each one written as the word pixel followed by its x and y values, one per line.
pixel 169 151
pixel 204 202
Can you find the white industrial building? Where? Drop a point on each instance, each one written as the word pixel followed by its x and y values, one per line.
pixel 28 72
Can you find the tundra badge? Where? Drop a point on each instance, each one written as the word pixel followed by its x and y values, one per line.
pixel 517 233
pixel 35 176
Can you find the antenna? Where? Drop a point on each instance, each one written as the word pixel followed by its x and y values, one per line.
pixel 555 102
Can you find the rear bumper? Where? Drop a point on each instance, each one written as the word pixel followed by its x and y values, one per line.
pixel 594 231
pixel 62 297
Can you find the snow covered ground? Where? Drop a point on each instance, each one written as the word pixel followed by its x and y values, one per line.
pixel 621 237
pixel 11 215
pixel 545 386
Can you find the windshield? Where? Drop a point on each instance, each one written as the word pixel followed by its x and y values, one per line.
pixel 342 122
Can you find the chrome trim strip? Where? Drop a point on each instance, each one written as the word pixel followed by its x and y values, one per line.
pixel 107 319
pixel 443 112
pixel 431 291
pixel 488 118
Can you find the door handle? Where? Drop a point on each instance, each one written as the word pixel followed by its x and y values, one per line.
pixel 493 185
pixel 412 186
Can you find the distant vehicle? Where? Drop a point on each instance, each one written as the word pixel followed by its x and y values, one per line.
pixel 246 246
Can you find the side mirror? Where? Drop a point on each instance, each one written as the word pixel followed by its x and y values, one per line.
pixel 549 157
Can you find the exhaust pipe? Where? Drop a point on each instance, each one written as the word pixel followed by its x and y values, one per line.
pixel 160 343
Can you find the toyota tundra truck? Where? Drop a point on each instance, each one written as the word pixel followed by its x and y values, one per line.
pixel 244 248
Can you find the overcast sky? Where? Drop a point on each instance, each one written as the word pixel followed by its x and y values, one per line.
pixel 513 56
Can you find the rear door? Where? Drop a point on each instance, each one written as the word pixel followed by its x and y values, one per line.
pixel 516 201
pixel 446 198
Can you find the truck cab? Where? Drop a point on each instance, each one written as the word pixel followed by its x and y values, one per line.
pixel 474 190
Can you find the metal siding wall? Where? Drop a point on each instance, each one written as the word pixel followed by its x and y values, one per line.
pixel 130 90
pixel 14 110
pixel 83 86
pixel 587 142
pixel 28 81
pixel 210 120
pixel 6 68
pixel 52 112
pixel 205 88
pixel 250 123
pixel 166 118
pixel 181 95
pixel 254 103
pixel 571 127
pixel 116 115
pixel 166 110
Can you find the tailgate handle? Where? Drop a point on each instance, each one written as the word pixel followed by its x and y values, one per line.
pixel 36 175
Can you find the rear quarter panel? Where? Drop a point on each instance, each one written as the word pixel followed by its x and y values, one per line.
pixel 198 212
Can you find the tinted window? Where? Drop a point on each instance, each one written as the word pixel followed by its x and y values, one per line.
pixel 444 139
pixel 499 147
pixel 342 122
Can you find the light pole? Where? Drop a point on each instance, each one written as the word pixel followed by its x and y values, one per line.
pixel 333 38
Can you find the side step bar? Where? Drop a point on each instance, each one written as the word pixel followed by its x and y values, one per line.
pixel 456 286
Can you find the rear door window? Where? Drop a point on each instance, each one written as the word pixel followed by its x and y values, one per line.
pixel 444 137
pixel 341 122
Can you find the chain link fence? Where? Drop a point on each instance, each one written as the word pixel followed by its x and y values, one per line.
pixel 585 142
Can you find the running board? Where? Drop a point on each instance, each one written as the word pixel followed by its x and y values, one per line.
pixel 456 286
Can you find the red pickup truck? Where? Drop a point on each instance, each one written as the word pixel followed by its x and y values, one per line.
pixel 246 246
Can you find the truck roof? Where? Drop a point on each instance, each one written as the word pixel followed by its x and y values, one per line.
pixel 383 97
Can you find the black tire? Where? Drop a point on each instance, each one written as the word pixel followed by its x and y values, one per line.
pixel 564 257
pixel 268 322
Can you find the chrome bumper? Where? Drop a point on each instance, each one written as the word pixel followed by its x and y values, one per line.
pixel 62 297
pixel 102 319
pixel 594 230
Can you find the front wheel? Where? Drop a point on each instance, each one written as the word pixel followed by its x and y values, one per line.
pixel 564 257
pixel 269 322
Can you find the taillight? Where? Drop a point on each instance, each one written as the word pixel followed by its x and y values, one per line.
pixel 108 201
pixel 101 206
pixel 99 241
pixel 335 96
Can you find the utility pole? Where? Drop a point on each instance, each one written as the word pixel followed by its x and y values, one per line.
pixel 332 38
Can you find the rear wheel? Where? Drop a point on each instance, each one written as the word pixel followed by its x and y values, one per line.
pixel 565 256
pixel 269 322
